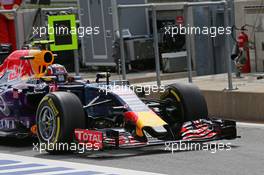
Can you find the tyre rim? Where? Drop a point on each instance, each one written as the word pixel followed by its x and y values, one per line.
pixel 173 109
pixel 47 123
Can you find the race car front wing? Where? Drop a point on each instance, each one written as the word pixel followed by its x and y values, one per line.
pixel 202 130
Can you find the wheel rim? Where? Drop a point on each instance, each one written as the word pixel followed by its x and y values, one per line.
pixel 46 123
pixel 174 108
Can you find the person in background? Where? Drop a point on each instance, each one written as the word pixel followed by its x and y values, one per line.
pixel 7 26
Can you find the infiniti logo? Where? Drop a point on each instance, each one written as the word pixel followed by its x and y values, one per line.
pixel 3 107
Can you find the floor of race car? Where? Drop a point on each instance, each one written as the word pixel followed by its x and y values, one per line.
pixel 245 157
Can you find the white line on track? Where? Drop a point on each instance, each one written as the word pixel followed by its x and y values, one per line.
pixel 250 125
pixel 56 165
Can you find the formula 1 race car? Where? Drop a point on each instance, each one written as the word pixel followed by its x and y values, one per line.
pixel 39 98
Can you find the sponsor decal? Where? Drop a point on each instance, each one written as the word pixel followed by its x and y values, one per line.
pixel 15 73
pixel 3 107
pixel 11 123
pixel 95 138
pixel 7 124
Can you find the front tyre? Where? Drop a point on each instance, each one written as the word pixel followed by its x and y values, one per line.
pixel 184 102
pixel 58 115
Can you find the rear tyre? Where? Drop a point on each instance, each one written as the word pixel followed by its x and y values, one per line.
pixel 58 115
pixel 184 102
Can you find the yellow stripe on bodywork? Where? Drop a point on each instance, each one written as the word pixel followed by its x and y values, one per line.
pixel 149 119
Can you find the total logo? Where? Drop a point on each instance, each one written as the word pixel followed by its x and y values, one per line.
pixel 94 138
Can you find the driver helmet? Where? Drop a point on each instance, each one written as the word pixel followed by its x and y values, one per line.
pixel 57 70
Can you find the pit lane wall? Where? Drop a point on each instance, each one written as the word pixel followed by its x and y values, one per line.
pixel 240 106
pixel 245 103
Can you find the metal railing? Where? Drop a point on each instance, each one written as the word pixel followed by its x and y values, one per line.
pixel 172 6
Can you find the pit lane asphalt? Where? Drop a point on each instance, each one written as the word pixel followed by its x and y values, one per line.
pixel 245 157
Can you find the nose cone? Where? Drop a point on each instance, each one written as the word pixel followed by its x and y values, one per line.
pixel 147 120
